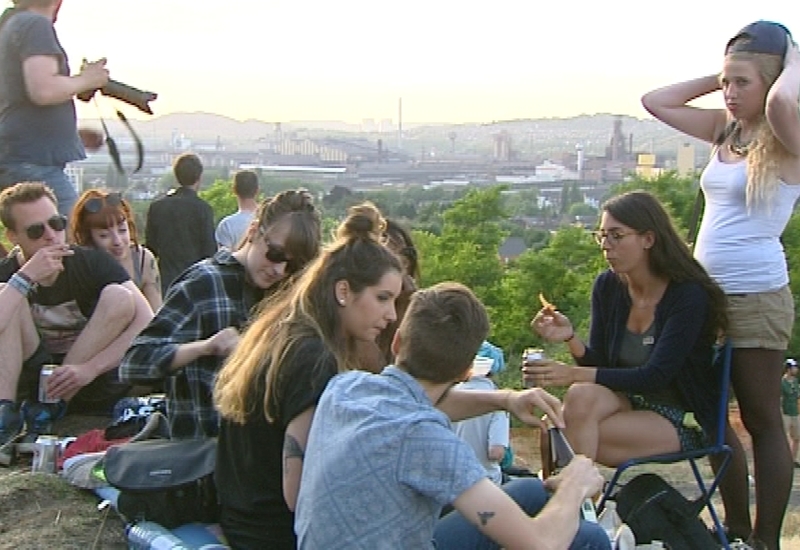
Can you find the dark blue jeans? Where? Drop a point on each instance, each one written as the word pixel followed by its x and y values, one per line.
pixel 53 176
pixel 454 532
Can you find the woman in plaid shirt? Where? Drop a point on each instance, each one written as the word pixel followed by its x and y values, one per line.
pixel 198 325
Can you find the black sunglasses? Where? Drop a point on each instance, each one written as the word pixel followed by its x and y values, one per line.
pixel 275 253
pixel 95 204
pixel 56 223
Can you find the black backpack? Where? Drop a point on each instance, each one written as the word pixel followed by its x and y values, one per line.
pixel 168 481
pixel 654 510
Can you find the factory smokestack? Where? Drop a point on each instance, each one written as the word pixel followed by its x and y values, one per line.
pixel 400 123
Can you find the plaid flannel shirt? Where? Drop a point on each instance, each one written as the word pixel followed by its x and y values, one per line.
pixel 211 295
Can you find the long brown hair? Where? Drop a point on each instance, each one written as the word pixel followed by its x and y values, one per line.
pixel 669 256
pixel 306 309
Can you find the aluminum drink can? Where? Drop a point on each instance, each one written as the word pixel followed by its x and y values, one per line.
pixel 45 454
pixel 44 378
pixel 529 355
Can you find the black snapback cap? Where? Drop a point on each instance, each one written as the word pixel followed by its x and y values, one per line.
pixel 760 37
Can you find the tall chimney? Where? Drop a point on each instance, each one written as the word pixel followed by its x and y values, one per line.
pixel 400 124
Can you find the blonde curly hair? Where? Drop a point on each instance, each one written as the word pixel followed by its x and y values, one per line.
pixel 766 152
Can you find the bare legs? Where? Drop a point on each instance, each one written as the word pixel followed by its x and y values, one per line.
pixel 18 342
pixel 112 315
pixel 601 425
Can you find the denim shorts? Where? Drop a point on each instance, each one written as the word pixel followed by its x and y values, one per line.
pixel 761 320
pixel 691 437
pixel 53 176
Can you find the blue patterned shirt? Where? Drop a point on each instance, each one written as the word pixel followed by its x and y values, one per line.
pixel 380 464
pixel 211 295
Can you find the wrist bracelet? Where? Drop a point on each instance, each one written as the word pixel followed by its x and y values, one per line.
pixel 20 283
pixel 24 276
pixel 571 337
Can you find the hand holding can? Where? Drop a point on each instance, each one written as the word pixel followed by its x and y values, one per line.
pixel 529 356
pixel 44 379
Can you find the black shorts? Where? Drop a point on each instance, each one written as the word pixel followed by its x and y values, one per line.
pixel 691 437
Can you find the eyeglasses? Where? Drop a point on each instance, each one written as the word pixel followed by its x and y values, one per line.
pixel 612 237
pixel 56 223
pixel 95 204
pixel 275 253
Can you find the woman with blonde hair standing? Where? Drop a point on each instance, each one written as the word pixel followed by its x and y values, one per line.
pixel 750 185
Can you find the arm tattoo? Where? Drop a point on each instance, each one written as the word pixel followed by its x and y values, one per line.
pixel 292 448
pixel 484 517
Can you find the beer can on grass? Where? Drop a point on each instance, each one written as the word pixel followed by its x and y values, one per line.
pixel 528 356
pixel 44 378
pixel 45 454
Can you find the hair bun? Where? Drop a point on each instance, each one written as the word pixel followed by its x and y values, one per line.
pixel 364 221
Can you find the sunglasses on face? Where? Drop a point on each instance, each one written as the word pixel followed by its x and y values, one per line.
pixel 56 223
pixel 275 253
pixel 95 204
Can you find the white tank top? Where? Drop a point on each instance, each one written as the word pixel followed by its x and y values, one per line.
pixel 740 250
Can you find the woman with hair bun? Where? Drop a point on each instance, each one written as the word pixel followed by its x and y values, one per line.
pixel 105 220
pixel 268 389
pixel 198 325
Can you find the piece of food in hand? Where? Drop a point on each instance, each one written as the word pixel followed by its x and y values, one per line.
pixel 92 139
pixel 545 304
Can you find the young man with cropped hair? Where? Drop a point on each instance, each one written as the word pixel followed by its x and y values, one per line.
pixel 232 228
pixel 382 460
pixel 180 225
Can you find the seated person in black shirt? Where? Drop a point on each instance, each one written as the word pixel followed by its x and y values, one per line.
pixel 61 304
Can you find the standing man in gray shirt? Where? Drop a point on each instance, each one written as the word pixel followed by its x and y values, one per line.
pixel 231 228
pixel 38 124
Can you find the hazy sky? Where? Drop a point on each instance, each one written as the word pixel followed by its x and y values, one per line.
pixel 450 61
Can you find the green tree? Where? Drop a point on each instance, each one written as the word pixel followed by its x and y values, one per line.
pixel 466 250
pixel 221 198
pixel 791 245
pixel 676 193
pixel 581 209
pixel 563 271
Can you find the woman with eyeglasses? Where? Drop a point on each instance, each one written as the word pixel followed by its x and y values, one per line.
pixel 205 308
pixel 751 184
pixel 643 383
pixel 105 220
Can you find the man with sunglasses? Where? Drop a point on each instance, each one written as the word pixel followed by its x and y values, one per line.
pixel 61 304
pixel 38 125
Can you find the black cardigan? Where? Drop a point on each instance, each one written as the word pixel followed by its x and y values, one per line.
pixel 682 354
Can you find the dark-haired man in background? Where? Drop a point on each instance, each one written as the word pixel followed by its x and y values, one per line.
pixel 180 225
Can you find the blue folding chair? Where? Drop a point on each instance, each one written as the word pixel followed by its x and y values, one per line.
pixel 718 447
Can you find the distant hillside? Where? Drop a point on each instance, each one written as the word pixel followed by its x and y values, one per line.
pixel 593 131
